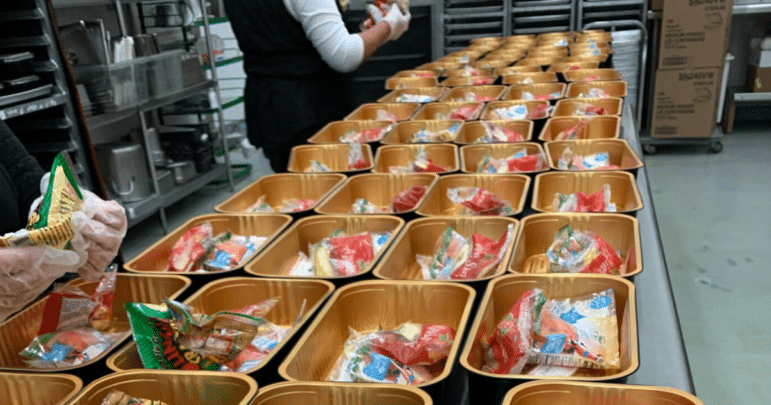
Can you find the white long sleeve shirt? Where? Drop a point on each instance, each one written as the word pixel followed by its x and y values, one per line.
pixel 324 27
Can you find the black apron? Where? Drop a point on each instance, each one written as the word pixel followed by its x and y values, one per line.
pixel 290 92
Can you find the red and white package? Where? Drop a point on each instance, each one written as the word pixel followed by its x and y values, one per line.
pixel 466 112
pixel 540 111
pixel 485 255
pixel 607 262
pixel 495 133
pixel 574 132
pixel 408 199
pixel 385 115
pixel 191 248
pixel 508 349
pixel 591 78
pixel 479 201
pixel 69 307
pixel 350 254
pixel 415 344
pixel 588 110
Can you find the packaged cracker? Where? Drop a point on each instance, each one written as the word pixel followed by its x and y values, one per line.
pixel 67 348
pixel 339 255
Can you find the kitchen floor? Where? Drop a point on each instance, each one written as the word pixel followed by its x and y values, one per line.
pixel 713 212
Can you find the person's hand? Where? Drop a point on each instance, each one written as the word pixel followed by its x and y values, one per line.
pixel 99 230
pixel 27 271
pixel 397 21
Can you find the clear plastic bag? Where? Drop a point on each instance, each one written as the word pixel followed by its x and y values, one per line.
pixel 469 259
pixel 526 95
pixel 67 348
pixel 465 112
pixel 426 136
pixel 414 98
pixel 582 252
pixel 516 163
pixel 574 132
pixel 588 110
pixel 515 112
pixel 421 163
pixel 260 206
pixel 317 167
pixel 339 255
pixel 508 349
pixel 367 135
pixel 384 115
pixel 479 201
pixel 395 357
pixel 116 397
pixel 356 160
pixel 296 204
pixel 598 201
pixel 594 92
pixel 408 199
pixel 495 133
pixel 597 161
pixel 362 206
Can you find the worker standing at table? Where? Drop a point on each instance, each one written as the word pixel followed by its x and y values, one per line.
pixel 295 55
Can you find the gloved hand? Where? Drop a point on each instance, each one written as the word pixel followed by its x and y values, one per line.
pixel 27 271
pixel 99 230
pixel 397 21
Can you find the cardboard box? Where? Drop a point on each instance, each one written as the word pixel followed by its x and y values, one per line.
pixel 694 33
pixel 656 5
pixel 758 79
pixel 685 103
pixel 760 58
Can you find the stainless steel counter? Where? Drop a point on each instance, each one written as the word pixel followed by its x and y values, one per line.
pixel 663 360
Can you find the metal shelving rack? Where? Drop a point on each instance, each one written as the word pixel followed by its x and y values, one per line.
pixel 160 199
pixel 43 118
pixel 463 20
pixel 537 16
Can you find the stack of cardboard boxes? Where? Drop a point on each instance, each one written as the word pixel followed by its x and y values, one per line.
pixel 694 38
pixel 759 69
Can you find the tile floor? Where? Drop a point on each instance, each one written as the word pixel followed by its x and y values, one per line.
pixel 713 212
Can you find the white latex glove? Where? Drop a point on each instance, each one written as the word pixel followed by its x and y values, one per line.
pixel 397 21
pixel 99 230
pixel 27 271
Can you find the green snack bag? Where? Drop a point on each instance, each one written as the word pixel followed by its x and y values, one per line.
pixel 173 337
pixel 51 223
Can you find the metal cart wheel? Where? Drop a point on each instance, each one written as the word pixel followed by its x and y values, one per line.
pixel 649 149
pixel 715 146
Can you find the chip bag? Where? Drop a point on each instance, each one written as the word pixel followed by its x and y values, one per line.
pixel 495 133
pixel 173 337
pixel 408 199
pixel 582 252
pixel 599 201
pixel 116 397
pixel 467 264
pixel 51 222
pixel 575 132
pixel 479 201
pixel 486 254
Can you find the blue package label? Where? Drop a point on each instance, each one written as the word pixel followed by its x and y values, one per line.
pixel 600 302
pixel 554 344
pixel 571 316
pixel 58 352
pixel 378 368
